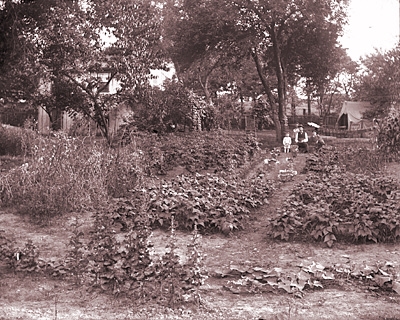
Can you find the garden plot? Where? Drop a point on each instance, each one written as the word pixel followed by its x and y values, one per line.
pixel 249 274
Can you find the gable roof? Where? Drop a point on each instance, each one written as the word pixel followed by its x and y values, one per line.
pixel 354 111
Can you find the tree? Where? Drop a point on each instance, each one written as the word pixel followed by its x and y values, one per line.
pixel 267 31
pixel 202 44
pixel 60 51
pixel 379 81
pixel 338 88
pixel 19 21
pixel 319 60
pixel 330 80
pixel 273 28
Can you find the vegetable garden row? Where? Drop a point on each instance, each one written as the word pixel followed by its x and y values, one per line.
pixel 128 194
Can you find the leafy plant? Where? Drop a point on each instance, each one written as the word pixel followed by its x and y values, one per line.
pixel 23 259
pixel 319 207
pixel 322 224
pixel 207 201
pixel 284 225
pixel 118 261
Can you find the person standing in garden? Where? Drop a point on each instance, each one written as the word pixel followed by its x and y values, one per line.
pixel 287 141
pixel 302 140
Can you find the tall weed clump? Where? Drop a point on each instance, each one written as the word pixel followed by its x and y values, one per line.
pixel 389 135
pixel 15 141
pixel 124 169
pixel 65 174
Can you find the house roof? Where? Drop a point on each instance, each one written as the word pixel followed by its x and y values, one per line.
pixel 354 110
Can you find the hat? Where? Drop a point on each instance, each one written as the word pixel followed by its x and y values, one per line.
pixel 300 125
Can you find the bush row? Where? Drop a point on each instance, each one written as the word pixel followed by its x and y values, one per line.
pixel 196 151
pixel 350 159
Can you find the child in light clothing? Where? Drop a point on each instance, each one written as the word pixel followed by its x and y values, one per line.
pixel 287 141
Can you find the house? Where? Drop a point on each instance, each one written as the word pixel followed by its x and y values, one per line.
pixel 16 113
pixel 301 108
pixel 351 116
pixel 115 117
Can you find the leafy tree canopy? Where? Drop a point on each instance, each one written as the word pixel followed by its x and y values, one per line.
pixel 19 21
pixel 276 34
pixel 379 81
pixel 83 47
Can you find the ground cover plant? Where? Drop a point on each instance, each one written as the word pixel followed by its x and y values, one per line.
pixel 341 198
pixel 195 151
pixel 212 203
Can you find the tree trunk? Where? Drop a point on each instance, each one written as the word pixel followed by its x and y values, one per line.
pixel 206 90
pixel 101 121
pixel 270 95
pixel 293 106
pixel 281 82
pixel 308 89
pixel 278 127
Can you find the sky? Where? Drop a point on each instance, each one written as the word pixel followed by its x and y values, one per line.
pixel 372 24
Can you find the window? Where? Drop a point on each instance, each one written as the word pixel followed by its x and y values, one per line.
pixel 103 87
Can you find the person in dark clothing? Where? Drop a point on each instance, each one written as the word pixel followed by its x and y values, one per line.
pixel 316 138
pixel 302 140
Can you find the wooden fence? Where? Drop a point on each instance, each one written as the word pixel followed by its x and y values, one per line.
pixel 338 133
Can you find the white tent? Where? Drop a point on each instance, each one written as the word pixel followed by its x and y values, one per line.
pixel 351 115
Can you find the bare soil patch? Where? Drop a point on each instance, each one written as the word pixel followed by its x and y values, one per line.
pixel 39 297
